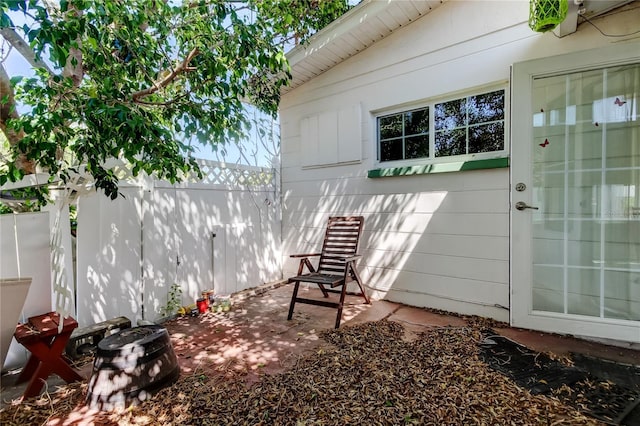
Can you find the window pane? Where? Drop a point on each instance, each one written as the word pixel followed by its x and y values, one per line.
pixel 416 122
pixel 586 182
pixel 486 107
pixel 450 115
pixel 469 125
pixel 417 146
pixel 391 150
pixel 486 138
pixel 450 142
pixel 390 126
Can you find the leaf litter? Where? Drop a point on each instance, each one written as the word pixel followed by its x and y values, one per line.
pixel 365 374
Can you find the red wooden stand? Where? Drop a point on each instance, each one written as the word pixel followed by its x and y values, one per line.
pixel 41 337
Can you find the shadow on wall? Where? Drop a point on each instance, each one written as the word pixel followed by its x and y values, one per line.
pixel 392 227
pixel 439 241
pixel 133 249
pixel 108 253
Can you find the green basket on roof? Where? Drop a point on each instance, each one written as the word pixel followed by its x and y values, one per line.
pixel 545 15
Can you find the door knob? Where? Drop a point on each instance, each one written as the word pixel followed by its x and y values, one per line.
pixel 521 205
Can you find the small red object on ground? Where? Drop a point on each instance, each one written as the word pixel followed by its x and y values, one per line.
pixel 41 337
pixel 203 305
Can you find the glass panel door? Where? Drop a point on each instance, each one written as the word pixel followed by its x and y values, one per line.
pixel 586 186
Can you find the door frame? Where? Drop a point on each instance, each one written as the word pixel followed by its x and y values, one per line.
pixel 521 136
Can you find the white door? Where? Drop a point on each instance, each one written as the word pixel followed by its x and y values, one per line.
pixel 179 245
pixel 575 194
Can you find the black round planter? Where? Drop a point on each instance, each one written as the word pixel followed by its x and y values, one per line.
pixel 130 365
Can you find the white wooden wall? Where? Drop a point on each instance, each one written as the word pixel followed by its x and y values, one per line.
pixel 132 249
pixel 436 240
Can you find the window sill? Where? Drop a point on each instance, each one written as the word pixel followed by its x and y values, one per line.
pixel 459 166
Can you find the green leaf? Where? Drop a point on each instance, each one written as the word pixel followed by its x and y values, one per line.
pixel 15 80
pixel 5 21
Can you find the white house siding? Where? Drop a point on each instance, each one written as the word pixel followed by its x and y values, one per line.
pixel 436 240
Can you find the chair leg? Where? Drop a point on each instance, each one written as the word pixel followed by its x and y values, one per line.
pixel 293 299
pixel 323 290
pixel 358 280
pixel 343 293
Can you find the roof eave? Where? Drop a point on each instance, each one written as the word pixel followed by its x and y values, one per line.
pixel 370 21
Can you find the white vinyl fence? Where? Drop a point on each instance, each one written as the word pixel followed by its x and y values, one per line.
pixel 33 246
pixel 221 233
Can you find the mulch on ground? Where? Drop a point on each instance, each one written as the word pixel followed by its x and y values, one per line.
pixel 365 374
pixel 604 390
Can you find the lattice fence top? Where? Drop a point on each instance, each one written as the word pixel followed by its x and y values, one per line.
pixel 216 173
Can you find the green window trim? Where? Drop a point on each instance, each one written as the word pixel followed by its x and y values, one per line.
pixel 458 166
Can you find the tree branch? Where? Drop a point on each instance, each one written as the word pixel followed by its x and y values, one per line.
pixel 8 112
pixel 23 48
pixel 73 67
pixel 165 103
pixel 8 108
pixel 183 67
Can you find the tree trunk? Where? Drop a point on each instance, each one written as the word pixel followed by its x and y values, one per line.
pixel 73 68
pixel 7 112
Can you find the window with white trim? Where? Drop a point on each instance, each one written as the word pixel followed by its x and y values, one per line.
pixel 470 126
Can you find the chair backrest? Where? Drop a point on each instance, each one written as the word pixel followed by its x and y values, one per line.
pixel 340 240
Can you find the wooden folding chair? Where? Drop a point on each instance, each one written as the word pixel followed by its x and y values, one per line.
pixel 336 267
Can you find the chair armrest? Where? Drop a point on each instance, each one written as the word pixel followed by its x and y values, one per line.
pixel 305 255
pixel 352 258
